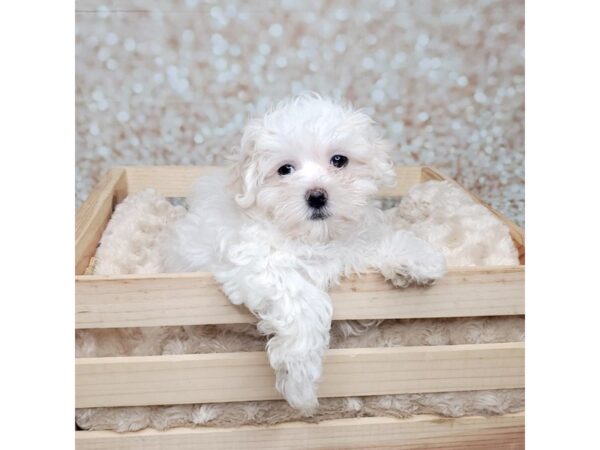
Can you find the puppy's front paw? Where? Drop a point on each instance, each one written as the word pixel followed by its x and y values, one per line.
pixel 433 267
pixel 404 278
pixel 423 269
pixel 401 277
pixel 299 390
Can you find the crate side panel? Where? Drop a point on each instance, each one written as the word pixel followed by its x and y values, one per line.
pixel 94 214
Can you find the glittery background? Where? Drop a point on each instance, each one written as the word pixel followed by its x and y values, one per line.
pixel 173 82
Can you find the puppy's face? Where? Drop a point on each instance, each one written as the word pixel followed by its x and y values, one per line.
pixel 310 167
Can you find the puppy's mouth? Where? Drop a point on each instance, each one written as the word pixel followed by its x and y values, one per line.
pixel 319 214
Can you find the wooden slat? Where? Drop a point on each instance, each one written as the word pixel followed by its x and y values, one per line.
pixel 93 215
pixel 406 178
pixel 247 376
pixel 170 181
pixel 517 233
pixel 506 432
pixel 196 298
pixel 177 181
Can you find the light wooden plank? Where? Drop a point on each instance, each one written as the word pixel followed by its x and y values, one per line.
pixel 247 376
pixel 406 178
pixel 177 181
pixel 506 432
pixel 196 298
pixel 170 181
pixel 93 215
pixel 517 233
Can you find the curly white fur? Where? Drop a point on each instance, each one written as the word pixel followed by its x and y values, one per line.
pixel 278 254
pixel 131 238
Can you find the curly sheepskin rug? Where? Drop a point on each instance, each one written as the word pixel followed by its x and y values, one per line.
pixel 467 233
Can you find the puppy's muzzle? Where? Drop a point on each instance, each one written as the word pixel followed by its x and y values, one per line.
pixel 316 198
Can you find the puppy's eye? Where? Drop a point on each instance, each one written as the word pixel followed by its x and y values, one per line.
pixel 286 169
pixel 338 161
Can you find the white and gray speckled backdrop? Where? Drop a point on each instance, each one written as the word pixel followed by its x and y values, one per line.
pixel 173 82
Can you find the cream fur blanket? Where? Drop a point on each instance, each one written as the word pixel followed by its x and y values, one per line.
pixel 468 234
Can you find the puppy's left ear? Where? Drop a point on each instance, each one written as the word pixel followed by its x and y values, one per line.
pixel 381 163
pixel 245 170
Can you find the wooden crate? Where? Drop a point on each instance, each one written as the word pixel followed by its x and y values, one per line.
pixel 195 298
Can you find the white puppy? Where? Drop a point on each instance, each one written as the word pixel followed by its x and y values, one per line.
pixel 293 217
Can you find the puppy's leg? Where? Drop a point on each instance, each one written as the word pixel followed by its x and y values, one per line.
pixel 405 259
pixel 300 337
pixel 298 316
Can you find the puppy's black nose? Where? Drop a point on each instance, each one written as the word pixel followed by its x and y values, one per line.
pixel 316 198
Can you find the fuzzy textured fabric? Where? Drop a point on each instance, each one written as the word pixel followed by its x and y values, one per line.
pixel 451 404
pixel 448 218
pixel 137 226
pixel 466 232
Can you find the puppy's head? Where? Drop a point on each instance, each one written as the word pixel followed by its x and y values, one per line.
pixel 310 166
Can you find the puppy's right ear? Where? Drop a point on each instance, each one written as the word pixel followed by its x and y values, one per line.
pixel 245 169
